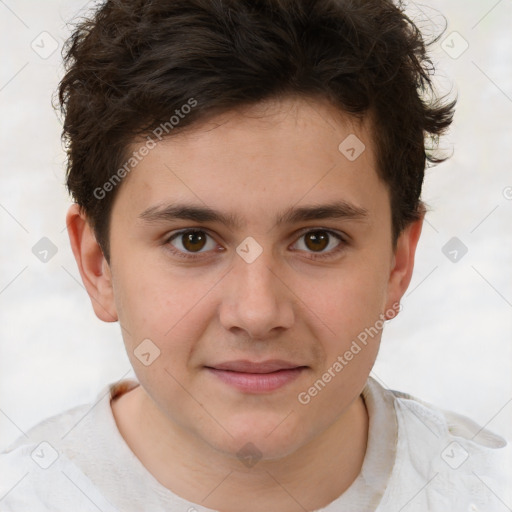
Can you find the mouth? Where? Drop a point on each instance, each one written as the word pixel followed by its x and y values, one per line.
pixel 254 377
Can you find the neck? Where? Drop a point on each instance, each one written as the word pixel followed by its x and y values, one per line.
pixel 307 479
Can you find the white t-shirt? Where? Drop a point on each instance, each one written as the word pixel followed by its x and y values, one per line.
pixel 418 458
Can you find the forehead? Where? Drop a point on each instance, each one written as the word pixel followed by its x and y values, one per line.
pixel 274 153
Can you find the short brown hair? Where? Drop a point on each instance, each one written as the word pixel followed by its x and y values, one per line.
pixel 135 62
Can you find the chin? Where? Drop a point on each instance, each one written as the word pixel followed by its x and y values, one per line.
pixel 259 438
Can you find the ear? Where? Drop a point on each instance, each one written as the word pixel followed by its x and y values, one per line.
pixel 93 267
pixel 402 265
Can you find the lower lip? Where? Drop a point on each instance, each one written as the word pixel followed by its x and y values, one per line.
pixel 258 382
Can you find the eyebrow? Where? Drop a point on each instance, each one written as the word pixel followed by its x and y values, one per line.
pixel 293 215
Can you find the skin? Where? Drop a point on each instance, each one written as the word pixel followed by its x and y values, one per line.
pixel 183 423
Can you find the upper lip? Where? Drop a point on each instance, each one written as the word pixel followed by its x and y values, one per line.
pixel 244 366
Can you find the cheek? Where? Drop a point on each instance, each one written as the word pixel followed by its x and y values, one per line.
pixel 152 301
pixel 348 305
pixel 350 329
pixel 159 325
pixel 347 300
pixel 171 311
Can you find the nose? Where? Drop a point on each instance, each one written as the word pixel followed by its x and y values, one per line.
pixel 256 299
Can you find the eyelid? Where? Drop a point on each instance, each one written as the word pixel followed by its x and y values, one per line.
pixel 340 234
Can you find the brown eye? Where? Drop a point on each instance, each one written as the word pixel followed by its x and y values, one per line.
pixel 317 240
pixel 191 241
pixel 321 243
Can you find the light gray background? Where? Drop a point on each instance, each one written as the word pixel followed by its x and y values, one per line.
pixel 451 344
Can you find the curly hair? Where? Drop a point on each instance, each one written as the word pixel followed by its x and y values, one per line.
pixel 133 63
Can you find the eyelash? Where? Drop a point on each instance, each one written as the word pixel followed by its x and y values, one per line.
pixel 314 256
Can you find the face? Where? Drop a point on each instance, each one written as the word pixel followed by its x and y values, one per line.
pixel 247 307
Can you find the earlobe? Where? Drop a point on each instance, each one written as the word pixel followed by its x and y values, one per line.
pixel 92 265
pixel 403 265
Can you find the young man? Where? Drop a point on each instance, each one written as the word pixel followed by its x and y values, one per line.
pixel 247 178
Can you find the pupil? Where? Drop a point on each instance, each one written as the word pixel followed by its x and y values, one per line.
pixel 320 241
pixel 192 239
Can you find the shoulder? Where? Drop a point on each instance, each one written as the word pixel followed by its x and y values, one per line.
pixel 39 478
pixel 444 425
pixel 43 470
pixel 445 460
pixel 50 428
